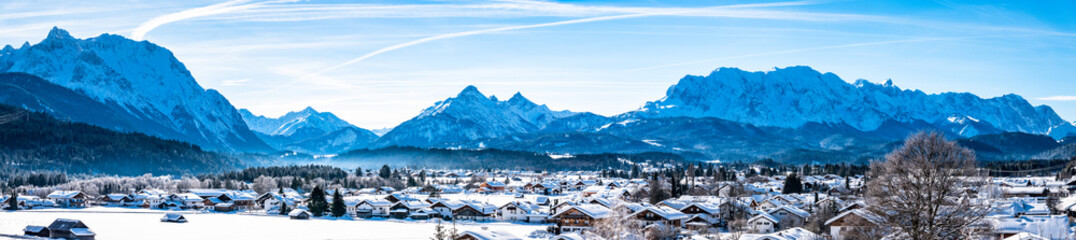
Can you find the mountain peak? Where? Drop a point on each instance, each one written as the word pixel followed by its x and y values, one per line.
pixel 517 98
pixel 309 110
pixel 57 33
pixel 471 91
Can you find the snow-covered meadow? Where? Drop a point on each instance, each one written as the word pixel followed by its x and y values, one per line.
pixel 133 223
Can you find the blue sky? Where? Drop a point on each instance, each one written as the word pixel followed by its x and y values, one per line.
pixel 378 63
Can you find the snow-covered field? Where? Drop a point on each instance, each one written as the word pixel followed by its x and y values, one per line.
pixel 132 223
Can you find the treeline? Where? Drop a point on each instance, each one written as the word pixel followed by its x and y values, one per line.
pixel 37 141
pixel 1059 167
pixel 496 159
pixel 37 179
pixel 305 172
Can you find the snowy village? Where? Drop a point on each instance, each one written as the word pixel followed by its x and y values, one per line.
pixel 646 202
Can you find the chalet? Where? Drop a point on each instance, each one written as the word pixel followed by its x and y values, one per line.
pixel 852 206
pixel 1047 227
pixel 763 223
pixel 299 214
pixel 829 202
pixel 212 202
pixel 70 229
pixel 399 213
pixel 446 206
pixel 840 225
pixel 373 208
pixel 152 192
pixel 702 221
pixel 169 205
pixel 493 186
pixel 522 211
pixel 410 206
pixel 581 217
pixel 174 217
pixel 630 207
pixel 225 207
pixel 592 190
pixel 145 200
pixel 547 188
pixel 36 231
pixel 602 201
pixel 396 197
pixel 187 200
pixel 207 193
pixel 476 211
pixel 660 215
pixel 68 198
pixel 707 208
pixel 113 199
pixel 674 203
pixel 789 216
pixel 1025 191
pixel 770 204
pixel 542 200
pixel 486 235
pixel 787 234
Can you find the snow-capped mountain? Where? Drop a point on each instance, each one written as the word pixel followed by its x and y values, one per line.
pixel 469 116
pixel 140 79
pixel 339 141
pixel 307 121
pixel 791 97
pixel 308 131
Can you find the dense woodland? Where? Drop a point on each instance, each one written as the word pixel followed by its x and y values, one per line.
pixel 496 159
pixel 36 141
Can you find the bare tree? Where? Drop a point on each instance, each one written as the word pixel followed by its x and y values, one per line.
pixel 662 232
pixel 616 227
pixel 922 189
pixel 264 184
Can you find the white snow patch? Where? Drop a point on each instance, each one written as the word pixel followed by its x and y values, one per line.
pixel 128 223
pixel 559 156
pixel 653 142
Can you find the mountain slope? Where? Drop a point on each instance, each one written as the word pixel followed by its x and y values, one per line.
pixel 307 121
pixel 36 141
pixel 469 116
pixel 308 131
pixel 792 97
pixel 140 78
pixel 342 140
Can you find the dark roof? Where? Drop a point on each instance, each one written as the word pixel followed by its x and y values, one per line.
pixel 32 228
pixel 64 224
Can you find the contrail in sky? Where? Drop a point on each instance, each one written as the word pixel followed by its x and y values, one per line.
pixel 493 30
pixel 226 7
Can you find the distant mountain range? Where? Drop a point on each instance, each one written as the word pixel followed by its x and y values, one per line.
pixel 308 131
pixel 469 116
pixel 792 97
pixel 793 114
pixel 124 85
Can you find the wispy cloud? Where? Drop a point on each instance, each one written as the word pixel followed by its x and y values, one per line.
pixel 514 9
pixel 1057 98
pixel 550 24
pixel 226 7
